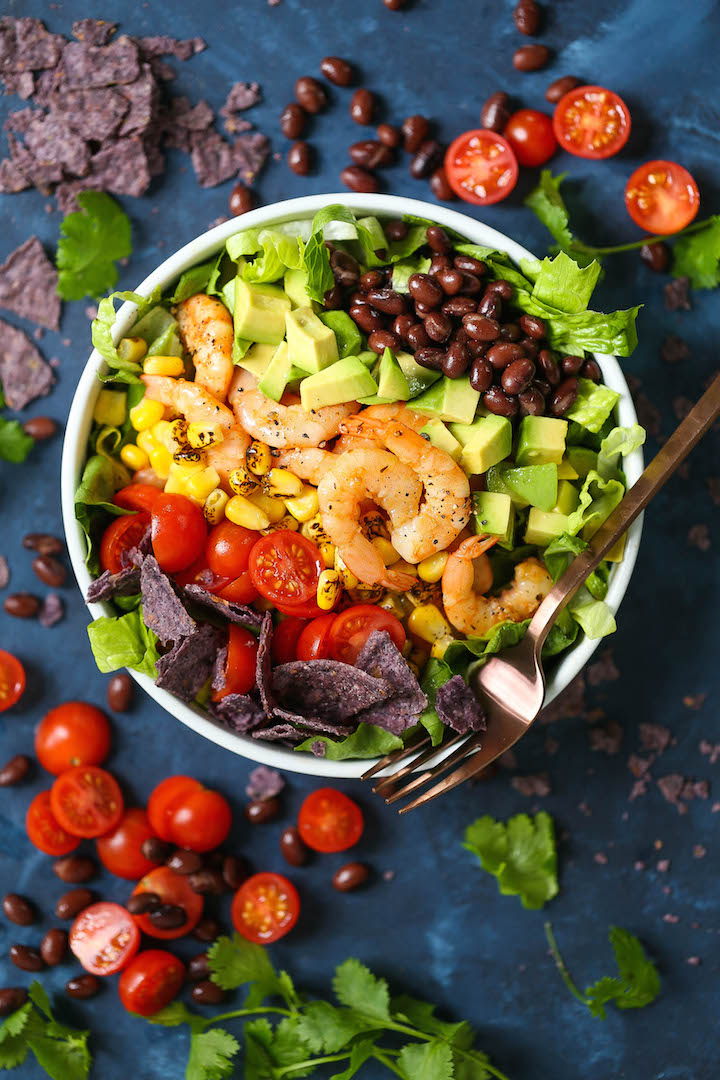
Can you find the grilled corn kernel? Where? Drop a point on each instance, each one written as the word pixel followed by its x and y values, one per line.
pixel 164 365
pixel 214 506
pixel 146 442
pixel 431 569
pixel 185 455
pixel 161 461
pixel 391 602
pixel 365 594
pixel 285 522
pixel 258 458
pixel 134 457
pixel 304 505
pixel 313 529
pixel 388 554
pixel 179 431
pixel 242 482
pixel 200 436
pixel 327 554
pixel 428 623
pixel 281 483
pixel 328 590
pixel 241 511
pixel 201 483
pixel 146 413
pixel 274 509
pixel 439 647
pixel 423 592
pixel 374 525
pixel 132 349
pixel 162 433
pixel 348 579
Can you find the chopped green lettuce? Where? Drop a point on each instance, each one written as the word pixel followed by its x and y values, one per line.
pixel 593 405
pixel 593 616
pixel 619 443
pixel 562 284
pixel 193 281
pixel 435 675
pixel 598 499
pixel 120 370
pixel 403 271
pixel 101 478
pixel 367 741
pixel 276 252
pixel 124 641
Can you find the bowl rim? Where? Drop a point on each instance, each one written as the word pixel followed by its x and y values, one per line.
pixel 88 387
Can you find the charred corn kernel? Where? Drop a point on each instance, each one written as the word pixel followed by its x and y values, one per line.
pixel 201 483
pixel 286 522
pixel 388 554
pixel 146 413
pixel 374 525
pixel 348 579
pixel 428 623
pixel 258 458
pixel 146 441
pixel 328 590
pixel 160 462
pixel 214 506
pixel 423 592
pixel 431 569
pixel 164 365
pixel 132 349
pixel 200 436
pixel 134 457
pixel 327 554
pixel 282 483
pixel 179 431
pixel 185 455
pixel 365 594
pixel 439 647
pixel 242 482
pixel 241 511
pixel 304 505
pixel 391 602
pixel 274 509
pixel 313 529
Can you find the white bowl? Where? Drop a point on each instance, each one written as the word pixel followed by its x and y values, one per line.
pixel 80 420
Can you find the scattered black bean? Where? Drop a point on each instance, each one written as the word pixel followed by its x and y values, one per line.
pixel 292 846
pixel 293 120
pixel 371 154
pixel 531 347
pixel 350 876
pixel 207 882
pixel 43 543
pixel 15 770
pixel 560 87
pixel 389 135
pixel 527 17
pixel 440 186
pixel 362 106
pixel 242 199
pixel 358 179
pixel 75 869
pixel 156 850
pixel 394 5
pixel 40 428
pixel 235 871
pixel 54 946
pixel 261 811
pixel 531 57
pixel 26 958
pixel 207 930
pixel 120 692
pixel 656 256
pixel 415 130
pixel 72 902
pixel 184 862
pixel 543 386
pixel 495 112
pixel 472 285
pixel 82 987
pixel 22 605
pixel 548 366
pixel 299 158
pixel 564 397
pixel 336 70
pixel 207 993
pixel 12 998
pixel 451 282
pixel 19 910
pixel 143 903
pixel 367 318
pixel 198 967
pixel 427 159
pixel 311 94
pixel 168 917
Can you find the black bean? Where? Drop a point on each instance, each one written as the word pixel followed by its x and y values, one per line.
pixel 337 70
pixel 656 256
pixel 395 230
pixel 207 993
pixel 564 397
pixel 543 386
pixel 440 186
pixel 367 318
pixel 498 402
pixel 415 130
pixel 82 987
pixel 531 347
pixel 417 337
pixel 43 543
pixel 207 882
pixel 477 348
pixel 53 946
pixel 333 298
pixel 504 353
pixel 439 263
pixel 292 846
pixel 371 154
pixel 531 402
pixel 388 301
pixel 439 327
pixel 261 811
pixel 350 876
pixel 156 850
pixel 482 374
pixel 425 289
pixel 299 158
pixel 207 930
pixel 490 305
pixel 389 135
pixel 26 958
pixel 495 112
pixel 168 917
pixel 22 605
pixel 560 87
pixel 198 967
pixel 19 910
pixel 503 288
pixel 119 692
pixel 472 285
pixel 401 326
pixel 235 871
pixel 380 340
pixel 451 281
pixel 533 327
pixel 438 240
pixel 548 366
pixel 456 360
pixel 362 106
pixel 510 331
pixel 293 120
pixel 75 869
pixel 421 310
pixel 40 428
pixel 15 770
pixel 345 268
pixel 311 94
pixel 571 365
pixel 459 305
pixel 12 998
pixel 481 328
pixel 358 179
pixel 427 159
pixel 527 17
pixel 430 358
pixel 184 862
pixel 72 902
pixel 143 903
pixel 469 265
pixel 531 57
pixel 591 370
pixel 242 199
pixel 371 279
pixel 517 376
pixel 394 5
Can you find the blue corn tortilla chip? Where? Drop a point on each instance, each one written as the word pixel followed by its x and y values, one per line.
pixel 185 669
pixel 381 658
pixel 326 689
pixel 51 611
pixel 93 114
pixel 220 669
pixel 458 707
pixel 263 664
pixel 21 83
pixel 28 285
pixel 313 723
pixel 93 31
pixel 318 748
pixel 142 97
pixel 23 373
pixel 264 783
pixel 279 733
pixel 51 142
pixel 163 612
pixel 250 153
pixel 25 45
pixel 236 613
pixel 125 583
pixel 162 45
pixel 85 65
pixel 239 712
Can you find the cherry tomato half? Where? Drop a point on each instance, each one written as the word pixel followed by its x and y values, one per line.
pixel 104 938
pixel 353 627
pixel 285 639
pixel 481 167
pixel 86 801
pixel 163 798
pixel 72 734
pixel 199 573
pixel 240 665
pixel 119 850
pixel 314 642
pixel 240 591
pixel 662 197
pixel 137 497
pixel 284 567
pixel 179 532
pixel 200 820
pixel 530 133
pixel 265 908
pixel 12 680
pixel 308 610
pixel 121 535
pixel 172 888
pixel 150 981
pixel 330 821
pixel 591 122
pixel 44 831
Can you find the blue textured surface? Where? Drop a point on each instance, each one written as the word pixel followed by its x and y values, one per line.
pixel 439 928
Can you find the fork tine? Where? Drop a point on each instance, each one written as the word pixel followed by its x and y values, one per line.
pixel 395 756
pixel 426 755
pixel 461 752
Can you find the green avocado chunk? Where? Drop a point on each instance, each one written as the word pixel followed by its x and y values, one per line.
pixel 568 497
pixel 368 358
pixel 582 459
pixel 541 441
pixel 279 372
pixel 418 377
pixel 313 345
pixel 441 436
pixel 295 283
pixel 449 399
pixel 485 442
pixel 391 383
pixel 257 359
pixel 494 514
pixel 260 312
pixel 543 527
pixel 345 380
pixel 349 341
pixel 527 485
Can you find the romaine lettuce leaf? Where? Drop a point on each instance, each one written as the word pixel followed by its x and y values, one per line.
pixel 367 741
pixel 276 252
pixel 124 641
pixel 435 675
pixel 593 405
pixel 598 499
pixel 101 478
pixel 193 281
pixel 562 284
pixel 120 370
pixel 593 616
pixel 619 443
pixel 403 271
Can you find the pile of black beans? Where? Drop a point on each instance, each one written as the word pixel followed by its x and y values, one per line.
pixel 459 321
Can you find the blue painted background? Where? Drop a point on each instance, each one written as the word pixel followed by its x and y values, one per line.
pixel 439 928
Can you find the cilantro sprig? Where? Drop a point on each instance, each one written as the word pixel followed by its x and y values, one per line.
pixel 15 443
pixel 637 983
pixel 60 1050
pixel 520 854
pixel 92 239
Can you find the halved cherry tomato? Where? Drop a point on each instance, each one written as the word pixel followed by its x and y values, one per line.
pixel 330 821
pixel 228 549
pixel 662 197
pixel 201 820
pixel 72 734
pixel 285 639
pixel 44 831
pixel 12 680
pixel 151 981
pixel 86 801
pixel 314 642
pixel 591 122
pixel 137 497
pixel 353 627
pixel 162 801
pixel 201 574
pixel 265 908
pixel 172 888
pixel 240 591
pixel 481 167
pixel 179 532
pixel 104 938
pixel 121 535
pixel 241 662
pixel 284 567
pixel 119 850
pixel 308 610
pixel 530 133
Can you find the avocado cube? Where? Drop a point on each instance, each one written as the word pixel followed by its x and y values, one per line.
pixel 368 358
pixel 153 324
pixel 391 383
pixel 568 498
pixel 345 380
pixel 449 399
pixel 441 436
pixel 277 374
pixel 295 283
pixel 257 359
pixel 259 312
pixel 543 527
pixel 566 471
pixel 418 377
pixel 349 341
pixel 582 459
pixel 617 551
pixel 529 485
pixel 490 443
pixel 312 345
pixel 494 514
pixel 541 441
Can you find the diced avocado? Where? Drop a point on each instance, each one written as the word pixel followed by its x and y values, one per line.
pixel 441 436
pixel 260 312
pixel 566 471
pixel 345 380
pixel 312 344
pixel 153 324
pixel 391 381
pixel 295 283
pixel 617 551
pixel 494 514
pixel 167 344
pixel 257 359
pixel 541 441
pixel 277 374
pixel 543 527
pixel 111 408
pixel 528 485
pixel 349 341
pixel 490 441
pixel 227 293
pixel 449 399
pixel 568 497
pixel 418 377
pixel 582 459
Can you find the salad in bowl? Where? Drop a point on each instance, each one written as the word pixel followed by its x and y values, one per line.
pixel 338 461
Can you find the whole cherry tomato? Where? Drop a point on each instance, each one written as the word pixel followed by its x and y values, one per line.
pixel 330 821
pixel 179 532
pixel 530 133
pixel 73 733
pixel 119 849
pixel 151 981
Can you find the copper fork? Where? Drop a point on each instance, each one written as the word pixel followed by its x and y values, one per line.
pixel 512 686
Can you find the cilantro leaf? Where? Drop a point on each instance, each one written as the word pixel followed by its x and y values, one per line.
pixel 211 1055
pixel 235 961
pixel 91 240
pixel 520 854
pixel 427 1061
pixel 359 1054
pixel 15 445
pixel 357 987
pixel 421 1014
pixel 13 1037
pixel 60 1050
pixel 327 1029
pixel 698 256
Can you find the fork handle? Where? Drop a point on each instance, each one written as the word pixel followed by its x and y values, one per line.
pixel 662 466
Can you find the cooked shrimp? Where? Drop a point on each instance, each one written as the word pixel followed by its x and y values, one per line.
pixel 229 454
pixel 343 491
pixel 279 424
pixel 468 576
pixel 309 463
pixel 445 508
pixel 396 411
pixel 206 327
pixel 188 399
